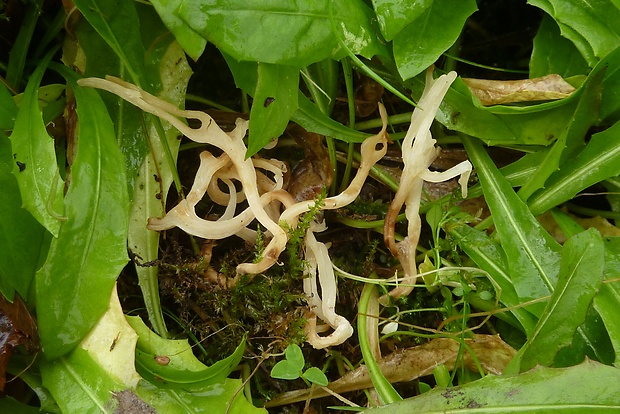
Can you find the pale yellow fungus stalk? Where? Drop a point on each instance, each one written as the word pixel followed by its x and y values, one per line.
pixel 419 152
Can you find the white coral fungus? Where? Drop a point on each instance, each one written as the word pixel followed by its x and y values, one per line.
pixel 268 202
pixel 419 152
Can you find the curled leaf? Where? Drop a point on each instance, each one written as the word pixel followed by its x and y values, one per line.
pixel 492 92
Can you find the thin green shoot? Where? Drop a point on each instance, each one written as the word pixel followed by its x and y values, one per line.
pixel 385 390
pixel 480 65
pixel 347 72
pixel 209 102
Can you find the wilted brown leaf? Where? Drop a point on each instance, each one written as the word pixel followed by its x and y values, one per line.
pixel 408 364
pixel 17 327
pixel 492 92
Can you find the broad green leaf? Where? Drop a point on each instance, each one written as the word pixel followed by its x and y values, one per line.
pixel 118 24
pixel 289 33
pixel 424 40
pixel 532 255
pixel 395 15
pixel 490 257
pixel 85 259
pixel 581 274
pixel 600 159
pixel 541 390
pixel 275 100
pixel 190 41
pixel 308 115
pixel 180 368
pixel 553 53
pixel 224 397
pixel 21 236
pixel 8 109
pixel 99 376
pixel 592 25
pixel 88 379
pixel 100 62
pixel 34 158
pixel 572 138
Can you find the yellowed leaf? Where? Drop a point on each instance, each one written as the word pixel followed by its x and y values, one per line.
pixel 493 92
pixel 491 352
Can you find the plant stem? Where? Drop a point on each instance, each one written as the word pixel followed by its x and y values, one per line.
pixel 384 388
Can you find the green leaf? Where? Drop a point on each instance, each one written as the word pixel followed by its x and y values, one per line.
pixel 295 356
pixel 600 159
pixel 21 235
pixel 395 15
pixel 607 301
pixel 99 376
pixel 316 376
pixel 610 101
pixel 490 257
pixel 91 248
pixel 592 25
pixel 8 109
pixel 19 51
pixel 100 62
pixel 572 138
pixel 553 53
pixel 424 40
pixel 11 405
pixel 540 127
pixel 293 33
pixel 87 379
pixel 190 41
pixel 275 100
pixel 541 390
pixel 222 397
pixel 285 370
pixel 310 117
pixel 179 367
pixel 532 255
pixel 34 158
pixel 118 24
pixel 153 181
pixel 581 274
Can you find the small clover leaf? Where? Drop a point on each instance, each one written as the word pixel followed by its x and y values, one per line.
pixel 316 376
pixel 291 368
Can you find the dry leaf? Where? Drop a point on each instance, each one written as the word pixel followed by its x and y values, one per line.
pixel 492 92
pixel 17 327
pixel 408 364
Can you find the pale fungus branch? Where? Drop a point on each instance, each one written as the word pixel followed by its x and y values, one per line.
pixel 419 151
pixel 262 187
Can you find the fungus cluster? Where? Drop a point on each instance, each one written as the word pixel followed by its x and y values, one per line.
pixel 261 186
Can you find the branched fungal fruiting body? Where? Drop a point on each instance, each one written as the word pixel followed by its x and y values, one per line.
pixel 267 201
pixel 419 152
